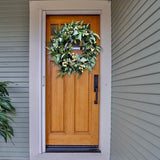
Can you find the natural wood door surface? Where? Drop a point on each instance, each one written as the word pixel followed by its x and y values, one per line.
pixel 72 118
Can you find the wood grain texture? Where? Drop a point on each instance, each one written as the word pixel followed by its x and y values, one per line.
pixel 72 118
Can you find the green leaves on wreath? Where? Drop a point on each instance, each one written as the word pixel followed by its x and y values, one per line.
pixel 61 48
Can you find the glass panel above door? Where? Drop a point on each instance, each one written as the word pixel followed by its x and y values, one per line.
pixel 53 28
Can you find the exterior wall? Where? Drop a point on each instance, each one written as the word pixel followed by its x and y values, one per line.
pixel 14 66
pixel 135 80
pixel 14 27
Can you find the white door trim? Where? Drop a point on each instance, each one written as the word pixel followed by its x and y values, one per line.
pixel 38 12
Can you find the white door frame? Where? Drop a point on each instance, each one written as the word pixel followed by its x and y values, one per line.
pixel 38 12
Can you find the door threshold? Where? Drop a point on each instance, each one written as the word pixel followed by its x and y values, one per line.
pixel 72 148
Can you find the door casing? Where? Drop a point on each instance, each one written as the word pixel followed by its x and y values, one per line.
pixel 38 12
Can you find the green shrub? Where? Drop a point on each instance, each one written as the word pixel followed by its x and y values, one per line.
pixel 6 109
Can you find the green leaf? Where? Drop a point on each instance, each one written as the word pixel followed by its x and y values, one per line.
pixel 74 41
pixel 55 31
pixel 4 135
pixel 69 73
pixel 48 48
pixel 72 22
pixel 59 75
pixel 75 32
pixel 54 59
pixel 77 22
pixel 48 42
pixel 63 74
pixel 87 25
pixel 79 74
pixel 89 68
pixel 83 59
pixel 93 38
pixel 49 52
pixel 7 106
pixel 81 23
pixel 80 36
pixel 96 35
pixel 60 39
pixel 77 56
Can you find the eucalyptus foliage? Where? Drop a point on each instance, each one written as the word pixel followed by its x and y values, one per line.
pixel 6 109
pixel 61 48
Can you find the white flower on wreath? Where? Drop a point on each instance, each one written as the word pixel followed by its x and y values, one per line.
pixel 64 64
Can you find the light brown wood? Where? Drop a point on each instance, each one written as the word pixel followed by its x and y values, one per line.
pixel 72 118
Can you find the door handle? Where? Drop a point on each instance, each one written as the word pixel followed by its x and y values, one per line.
pixel 96 88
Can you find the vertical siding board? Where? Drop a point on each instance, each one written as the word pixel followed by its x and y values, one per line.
pixel 135 81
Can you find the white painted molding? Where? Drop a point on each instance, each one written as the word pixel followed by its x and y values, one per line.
pixel 38 12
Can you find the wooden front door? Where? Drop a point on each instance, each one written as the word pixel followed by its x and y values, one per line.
pixel 72 118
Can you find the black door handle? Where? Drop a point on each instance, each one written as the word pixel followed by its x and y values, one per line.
pixel 96 101
pixel 96 88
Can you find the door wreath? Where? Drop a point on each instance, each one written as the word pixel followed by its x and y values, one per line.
pixel 61 48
